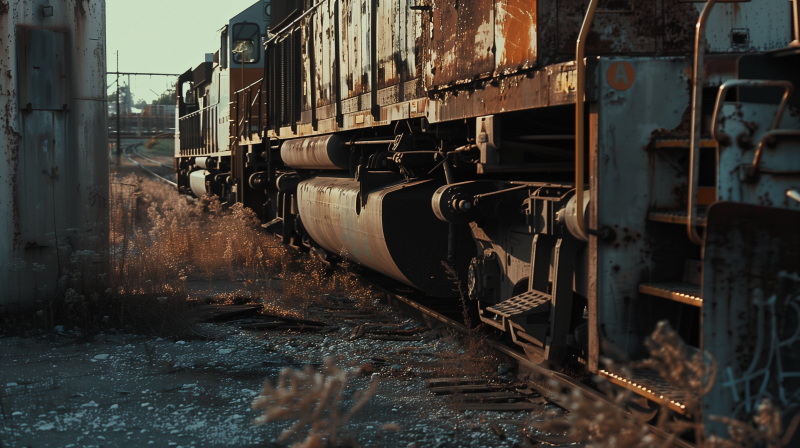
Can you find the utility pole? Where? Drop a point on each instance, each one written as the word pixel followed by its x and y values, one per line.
pixel 119 147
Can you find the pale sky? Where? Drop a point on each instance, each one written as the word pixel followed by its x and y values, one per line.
pixel 163 36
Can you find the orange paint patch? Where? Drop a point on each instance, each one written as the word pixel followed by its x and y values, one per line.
pixel 621 75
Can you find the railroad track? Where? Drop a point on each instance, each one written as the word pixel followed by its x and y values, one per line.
pixel 552 385
pixel 130 150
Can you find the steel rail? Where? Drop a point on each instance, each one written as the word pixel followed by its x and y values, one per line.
pixel 161 178
pixel 148 158
pixel 552 385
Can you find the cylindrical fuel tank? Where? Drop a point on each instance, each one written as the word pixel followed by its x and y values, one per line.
pixel 197 182
pixel 395 233
pixel 323 152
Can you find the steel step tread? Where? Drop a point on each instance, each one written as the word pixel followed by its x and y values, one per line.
pixel 677 216
pixel 649 384
pixel 687 293
pixel 522 303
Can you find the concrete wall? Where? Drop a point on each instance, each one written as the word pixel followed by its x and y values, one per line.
pixel 53 149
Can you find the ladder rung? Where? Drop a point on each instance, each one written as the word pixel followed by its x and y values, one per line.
pixel 680 292
pixel 676 217
pixel 647 383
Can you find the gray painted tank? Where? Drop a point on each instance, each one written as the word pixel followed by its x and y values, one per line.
pixel 54 175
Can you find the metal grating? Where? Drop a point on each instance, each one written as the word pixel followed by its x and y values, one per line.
pixel 522 303
pixel 649 384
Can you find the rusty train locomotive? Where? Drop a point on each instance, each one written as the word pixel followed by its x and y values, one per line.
pixel 445 138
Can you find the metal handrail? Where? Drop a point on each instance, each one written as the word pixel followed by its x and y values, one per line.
pixel 580 93
pixel 248 87
pixel 769 137
pixel 697 104
pixel 290 25
pixel 723 89
pixel 197 112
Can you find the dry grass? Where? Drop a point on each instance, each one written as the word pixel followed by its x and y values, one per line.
pixel 606 424
pixel 313 400
pixel 158 241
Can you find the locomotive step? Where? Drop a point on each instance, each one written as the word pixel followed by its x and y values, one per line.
pixel 677 216
pixel 512 315
pixel 687 293
pixel 649 384
pixel 530 301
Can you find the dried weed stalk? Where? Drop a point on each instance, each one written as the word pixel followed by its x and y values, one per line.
pixel 605 424
pixel 311 399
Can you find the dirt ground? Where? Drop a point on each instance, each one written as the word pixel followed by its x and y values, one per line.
pixel 127 390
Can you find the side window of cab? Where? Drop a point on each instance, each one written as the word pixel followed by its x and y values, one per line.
pixel 245 38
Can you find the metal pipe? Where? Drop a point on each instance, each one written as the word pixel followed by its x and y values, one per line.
pixel 369 142
pixel 580 93
pixel 787 87
pixel 697 105
pixel 119 131
pixel 796 12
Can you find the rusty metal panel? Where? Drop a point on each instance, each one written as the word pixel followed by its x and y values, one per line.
pixel 620 26
pixel 678 34
pixel 43 59
pixel 389 39
pixel 475 44
pixel 306 47
pixel 354 41
pixel 324 49
pixel 751 310
pixel 399 30
pixel 515 35
pixel 463 41
pixel 442 66
pixel 408 22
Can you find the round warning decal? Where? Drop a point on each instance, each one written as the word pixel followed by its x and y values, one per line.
pixel 621 75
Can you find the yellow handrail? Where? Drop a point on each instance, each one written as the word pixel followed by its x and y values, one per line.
pixel 697 107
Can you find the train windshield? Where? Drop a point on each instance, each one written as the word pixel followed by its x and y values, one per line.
pixel 245 36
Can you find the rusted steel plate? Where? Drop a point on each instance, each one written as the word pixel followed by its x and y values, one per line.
pixel 515 35
pixel 463 41
pixel 398 29
pixel 388 42
pixel 442 66
pixel 324 49
pixel 626 26
pixel 475 42
pixel 354 50
pixel 307 90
